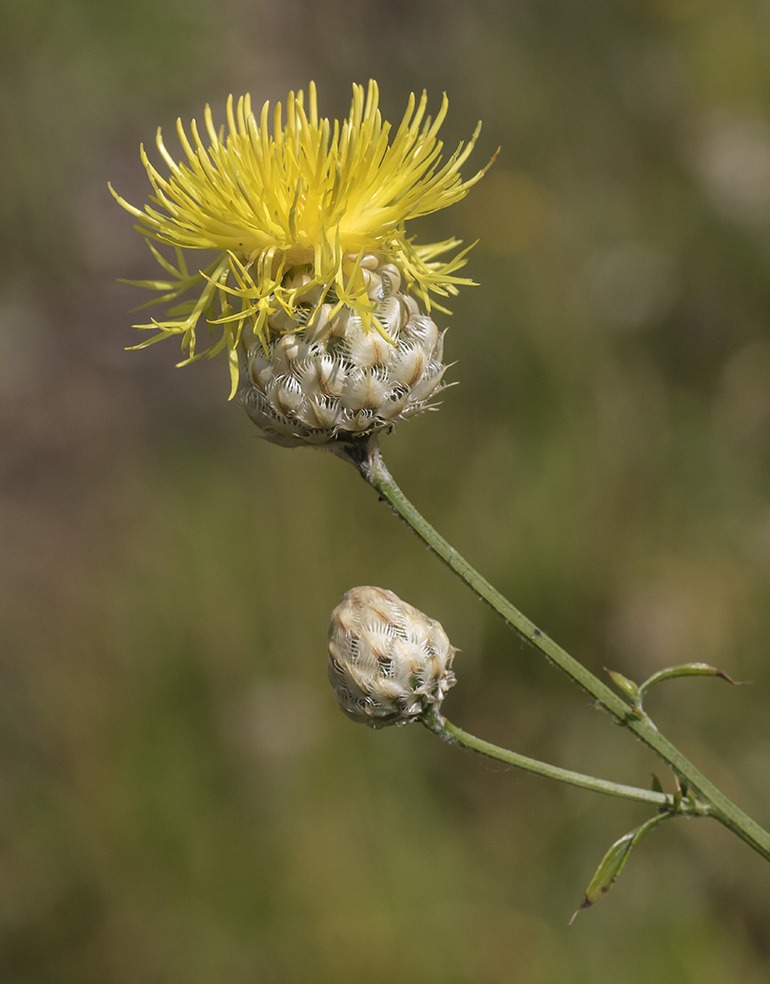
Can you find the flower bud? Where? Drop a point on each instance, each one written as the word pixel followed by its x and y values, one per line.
pixel 388 663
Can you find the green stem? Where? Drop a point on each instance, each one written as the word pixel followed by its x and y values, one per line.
pixel 439 725
pixel 367 458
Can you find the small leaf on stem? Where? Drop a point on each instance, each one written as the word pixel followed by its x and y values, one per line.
pixel 628 687
pixel 613 863
pixel 686 669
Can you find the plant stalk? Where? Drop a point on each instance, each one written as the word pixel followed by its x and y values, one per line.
pixel 665 801
pixel 366 456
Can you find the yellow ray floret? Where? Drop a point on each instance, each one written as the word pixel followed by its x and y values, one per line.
pixel 309 194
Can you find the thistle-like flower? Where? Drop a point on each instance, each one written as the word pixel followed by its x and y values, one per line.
pixel 388 663
pixel 315 287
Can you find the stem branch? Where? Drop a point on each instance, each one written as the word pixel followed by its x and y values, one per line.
pixel 450 732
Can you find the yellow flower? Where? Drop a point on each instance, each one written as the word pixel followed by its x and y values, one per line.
pixel 291 215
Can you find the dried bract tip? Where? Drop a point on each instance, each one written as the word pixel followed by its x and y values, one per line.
pixel 388 663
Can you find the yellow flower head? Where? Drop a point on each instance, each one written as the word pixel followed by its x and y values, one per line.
pixel 292 213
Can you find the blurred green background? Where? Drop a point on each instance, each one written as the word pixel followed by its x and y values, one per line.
pixel 181 800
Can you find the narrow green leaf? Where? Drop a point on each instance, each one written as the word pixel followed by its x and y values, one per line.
pixel 685 670
pixel 613 863
pixel 628 687
pixel 656 786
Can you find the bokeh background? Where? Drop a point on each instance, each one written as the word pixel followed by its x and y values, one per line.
pixel 181 800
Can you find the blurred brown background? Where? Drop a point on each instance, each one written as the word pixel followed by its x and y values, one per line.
pixel 181 801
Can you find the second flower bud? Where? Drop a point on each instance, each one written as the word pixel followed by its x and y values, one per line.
pixel 388 662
